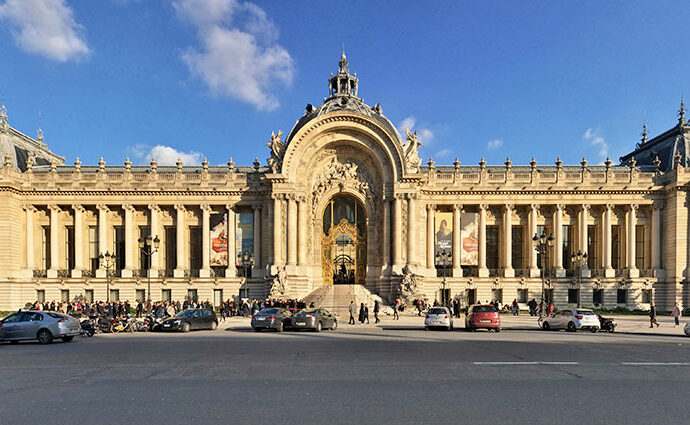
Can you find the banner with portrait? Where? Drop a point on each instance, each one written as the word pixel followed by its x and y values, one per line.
pixel 244 233
pixel 219 239
pixel 443 239
pixel 469 239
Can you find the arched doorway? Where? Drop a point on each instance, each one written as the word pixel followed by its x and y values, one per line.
pixel 343 241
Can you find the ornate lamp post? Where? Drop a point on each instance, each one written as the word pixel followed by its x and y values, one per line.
pixel 149 246
pixel 107 261
pixel 542 245
pixel 245 262
pixel 579 260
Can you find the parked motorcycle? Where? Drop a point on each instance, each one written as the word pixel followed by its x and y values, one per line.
pixel 154 322
pixel 606 324
pixel 87 328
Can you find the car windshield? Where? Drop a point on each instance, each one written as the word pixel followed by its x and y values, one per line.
pixel 585 312
pixel 437 311
pixel 484 309
pixel 268 311
pixel 185 313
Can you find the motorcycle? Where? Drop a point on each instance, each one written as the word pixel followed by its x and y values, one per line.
pixel 154 322
pixel 87 328
pixel 607 324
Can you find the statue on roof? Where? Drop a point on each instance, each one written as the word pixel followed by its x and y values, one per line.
pixel 411 151
pixel 277 148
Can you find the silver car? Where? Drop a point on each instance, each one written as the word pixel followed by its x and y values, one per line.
pixel 41 325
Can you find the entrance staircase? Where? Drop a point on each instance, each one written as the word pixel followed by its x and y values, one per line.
pixel 336 299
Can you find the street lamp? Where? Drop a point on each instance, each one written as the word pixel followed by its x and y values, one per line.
pixel 245 262
pixel 107 261
pixel 542 244
pixel 579 260
pixel 148 247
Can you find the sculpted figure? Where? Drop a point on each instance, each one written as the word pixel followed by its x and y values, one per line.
pixel 277 148
pixel 279 284
pixel 411 151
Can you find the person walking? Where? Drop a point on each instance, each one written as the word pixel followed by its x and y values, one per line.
pixel 676 315
pixel 652 316
pixel 396 306
pixel 353 310
pixel 366 313
pixel 361 313
pixel 377 307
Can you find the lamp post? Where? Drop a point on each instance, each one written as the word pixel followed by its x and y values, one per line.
pixel 542 244
pixel 579 260
pixel 107 261
pixel 245 262
pixel 149 246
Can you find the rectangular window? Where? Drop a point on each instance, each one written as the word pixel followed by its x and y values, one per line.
pixel 69 247
pixel 192 295
pixel 622 296
pixel 640 247
pixel 598 297
pixel 523 295
pixel 592 247
pixel 573 296
pixel 615 247
pixel 492 247
pixel 217 297
pixel 64 295
pixel 646 296
pixel 567 242
pixel 40 295
pixel 517 245
pixel 170 247
pixel 114 295
pixel 45 247
pixel 195 261
pixel 119 249
pixel 166 295
pixel 93 248
pixel 88 296
pixel 497 295
pixel 140 295
pixel 144 260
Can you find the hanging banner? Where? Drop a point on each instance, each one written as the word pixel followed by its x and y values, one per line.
pixel 244 233
pixel 443 239
pixel 469 222
pixel 219 239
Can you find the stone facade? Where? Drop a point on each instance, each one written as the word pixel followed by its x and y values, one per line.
pixel 631 219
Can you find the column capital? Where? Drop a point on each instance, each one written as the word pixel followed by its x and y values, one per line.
pixel 180 207
pixel 29 208
pixel 658 205
pixel 510 207
pixel 205 207
pixel 78 208
pixel 128 207
pixel 609 207
pixel 291 197
pixel 301 198
pixel 231 207
pixel 103 208
pixel 431 207
pixel 54 207
pixel 483 207
pixel 457 207
pixel 154 207
pixel 560 207
pixel 277 196
pixel 535 207
pixel 399 196
pixel 634 207
pixel 586 207
pixel 258 206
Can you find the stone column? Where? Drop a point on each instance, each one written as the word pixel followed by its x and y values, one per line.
pixel 54 245
pixel 181 265
pixel 457 240
pixel 657 208
pixel 78 240
pixel 608 270
pixel 533 266
pixel 411 226
pixel 633 271
pixel 292 230
pixel 508 270
pixel 102 236
pixel 154 265
pixel 231 270
pixel 130 242
pixel 277 229
pixel 583 233
pixel 430 208
pixel 205 241
pixel 386 234
pixel 558 245
pixel 30 252
pixel 482 270
pixel 257 236
pixel 302 231
pixel 397 232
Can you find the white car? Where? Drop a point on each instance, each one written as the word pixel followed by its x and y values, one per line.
pixel 571 320
pixel 438 317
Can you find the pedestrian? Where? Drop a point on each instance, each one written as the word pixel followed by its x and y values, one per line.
pixel 353 310
pixel 377 307
pixel 366 313
pixel 396 306
pixel 676 315
pixel 361 313
pixel 652 316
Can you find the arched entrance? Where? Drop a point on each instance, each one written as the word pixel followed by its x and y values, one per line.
pixel 343 241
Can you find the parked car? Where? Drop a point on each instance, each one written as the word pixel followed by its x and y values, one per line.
pixel 315 319
pixel 438 317
pixel 191 319
pixel 482 316
pixel 572 320
pixel 686 329
pixel 40 325
pixel 272 318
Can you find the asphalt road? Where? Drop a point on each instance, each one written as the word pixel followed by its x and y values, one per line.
pixel 353 375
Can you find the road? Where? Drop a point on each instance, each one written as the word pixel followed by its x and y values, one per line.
pixel 366 375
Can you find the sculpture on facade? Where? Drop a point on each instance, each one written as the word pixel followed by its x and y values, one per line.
pixel 277 148
pixel 343 172
pixel 278 284
pixel 411 151
pixel 408 287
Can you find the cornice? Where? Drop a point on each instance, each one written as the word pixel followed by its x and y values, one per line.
pixel 538 192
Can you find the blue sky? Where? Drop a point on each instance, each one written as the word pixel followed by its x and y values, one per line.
pixel 213 78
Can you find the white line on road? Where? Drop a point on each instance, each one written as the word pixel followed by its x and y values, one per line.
pixel 655 364
pixel 524 363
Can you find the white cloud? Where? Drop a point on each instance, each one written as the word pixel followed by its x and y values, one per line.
pixel 443 153
pixel 165 155
pixel 46 28
pixel 494 144
pixel 424 134
pixel 238 56
pixel 593 138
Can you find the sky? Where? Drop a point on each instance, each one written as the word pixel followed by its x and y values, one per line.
pixel 213 78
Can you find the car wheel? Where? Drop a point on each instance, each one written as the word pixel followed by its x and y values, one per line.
pixel 14 341
pixel 257 329
pixel 44 336
pixel 545 326
pixel 214 326
pixel 426 328
pixel 594 329
pixel 498 329
pixel 318 327
pixel 67 338
pixel 571 327
pixel 186 327
pixel 335 325
pixel 280 327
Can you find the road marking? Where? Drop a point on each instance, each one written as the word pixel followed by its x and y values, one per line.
pixel 560 363
pixel 655 364
pixel 524 363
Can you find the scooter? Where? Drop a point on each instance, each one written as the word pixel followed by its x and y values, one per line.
pixel 606 324
pixel 87 328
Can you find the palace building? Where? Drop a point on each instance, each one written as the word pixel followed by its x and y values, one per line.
pixel 344 200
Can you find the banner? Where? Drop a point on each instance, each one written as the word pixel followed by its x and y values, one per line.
pixel 244 233
pixel 219 239
pixel 443 239
pixel 469 222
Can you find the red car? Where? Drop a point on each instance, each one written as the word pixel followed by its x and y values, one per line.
pixel 482 316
